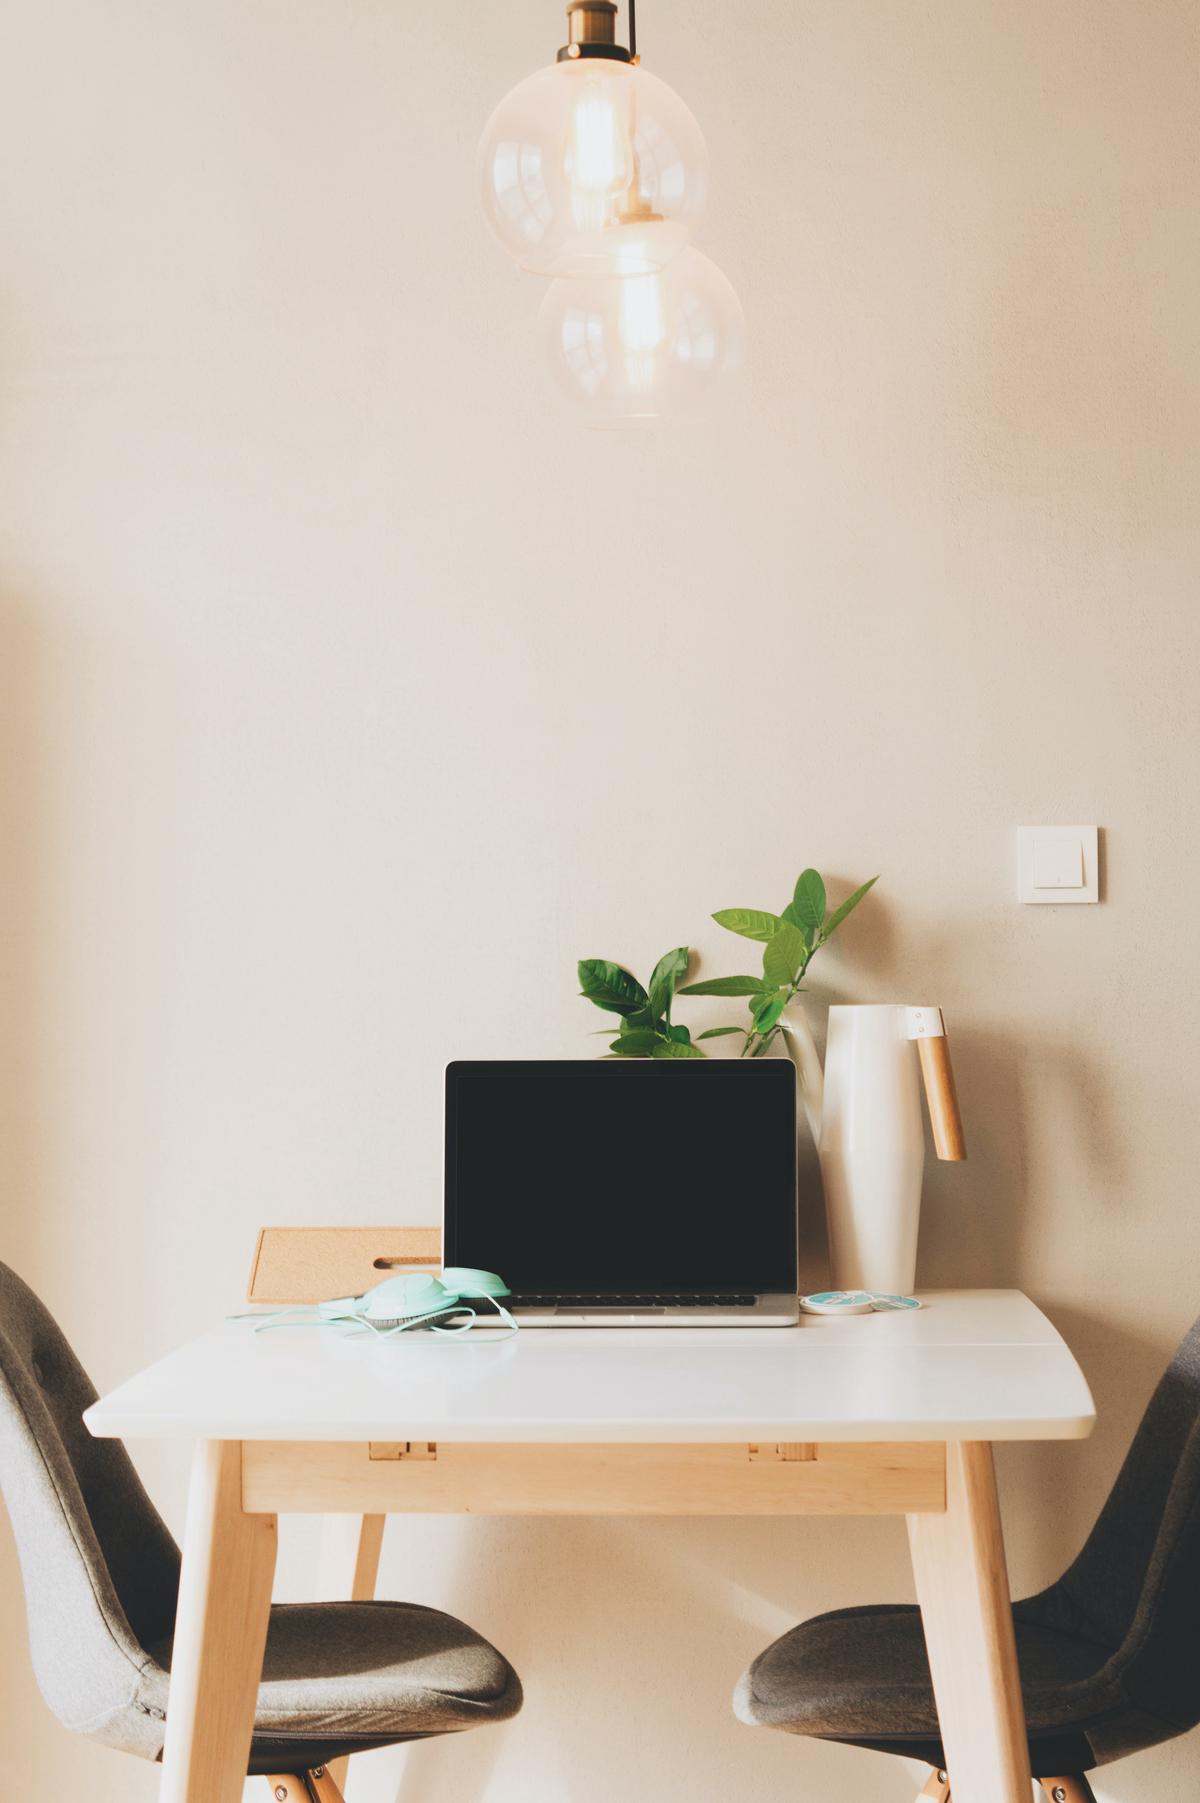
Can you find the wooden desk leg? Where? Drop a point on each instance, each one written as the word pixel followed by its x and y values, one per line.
pixel 962 1586
pixel 220 1633
pixel 347 1570
pixel 348 1562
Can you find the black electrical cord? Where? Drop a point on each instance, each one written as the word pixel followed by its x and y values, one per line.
pixel 633 30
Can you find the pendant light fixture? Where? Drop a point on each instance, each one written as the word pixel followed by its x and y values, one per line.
pixel 594 172
pixel 593 166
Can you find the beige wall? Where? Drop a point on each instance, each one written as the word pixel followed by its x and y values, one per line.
pixel 349 694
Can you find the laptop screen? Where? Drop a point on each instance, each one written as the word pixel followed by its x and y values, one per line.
pixel 638 1176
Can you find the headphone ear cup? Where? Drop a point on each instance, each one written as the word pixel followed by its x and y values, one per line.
pixel 411 1293
pixel 465 1281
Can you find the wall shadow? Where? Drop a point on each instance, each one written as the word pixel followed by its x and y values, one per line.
pixel 976 1219
pixel 1056 1488
pixel 19 670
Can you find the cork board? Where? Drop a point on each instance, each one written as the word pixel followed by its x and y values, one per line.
pixel 311 1264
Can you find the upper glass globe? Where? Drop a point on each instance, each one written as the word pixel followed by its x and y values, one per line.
pixel 592 167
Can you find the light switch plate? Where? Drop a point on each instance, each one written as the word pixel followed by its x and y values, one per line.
pixel 1058 864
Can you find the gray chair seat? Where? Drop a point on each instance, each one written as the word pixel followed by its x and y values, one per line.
pixel 346 1677
pixel 862 1675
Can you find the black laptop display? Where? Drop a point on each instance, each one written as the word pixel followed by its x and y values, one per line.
pixel 645 1183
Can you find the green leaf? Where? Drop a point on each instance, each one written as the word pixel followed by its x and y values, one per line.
pixel 751 923
pixel 726 986
pixel 671 964
pixel 718 1032
pixel 848 906
pixel 793 919
pixel 610 987
pixel 674 1048
pixel 635 1045
pixel 809 900
pixel 641 1017
pixel 784 955
pixel 667 971
pixel 680 1035
pixel 766 1016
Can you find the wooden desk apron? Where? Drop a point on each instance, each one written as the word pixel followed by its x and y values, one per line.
pixel 381 1477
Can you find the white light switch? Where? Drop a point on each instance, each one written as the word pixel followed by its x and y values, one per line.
pixel 1058 864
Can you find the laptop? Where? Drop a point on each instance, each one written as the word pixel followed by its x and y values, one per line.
pixel 649 1193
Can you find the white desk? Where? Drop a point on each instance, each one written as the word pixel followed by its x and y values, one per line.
pixel 873 1414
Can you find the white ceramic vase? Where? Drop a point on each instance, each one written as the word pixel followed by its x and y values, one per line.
pixel 865 1114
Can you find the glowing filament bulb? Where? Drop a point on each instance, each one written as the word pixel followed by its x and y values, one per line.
pixel 599 156
pixel 641 327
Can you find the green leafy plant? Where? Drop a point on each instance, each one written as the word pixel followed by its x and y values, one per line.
pixel 790 940
pixel 645 1030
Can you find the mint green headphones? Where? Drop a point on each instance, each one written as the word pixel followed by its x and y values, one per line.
pixel 398 1304
pixel 417 1299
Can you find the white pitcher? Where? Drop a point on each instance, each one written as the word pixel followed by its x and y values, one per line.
pixel 865 1115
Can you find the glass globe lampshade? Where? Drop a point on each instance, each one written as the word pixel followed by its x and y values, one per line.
pixel 645 346
pixel 592 167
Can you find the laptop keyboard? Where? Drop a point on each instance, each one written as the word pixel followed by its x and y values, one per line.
pixel 639 1301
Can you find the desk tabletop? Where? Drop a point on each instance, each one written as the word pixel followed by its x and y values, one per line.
pixel 971 1365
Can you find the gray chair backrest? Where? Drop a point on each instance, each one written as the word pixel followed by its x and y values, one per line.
pixel 100 1570
pixel 1135 1587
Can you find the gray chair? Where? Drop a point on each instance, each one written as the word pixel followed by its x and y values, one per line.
pixel 1107 1654
pixel 101 1577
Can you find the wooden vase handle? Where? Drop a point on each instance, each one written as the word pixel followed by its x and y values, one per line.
pixel 929 1031
pixel 949 1140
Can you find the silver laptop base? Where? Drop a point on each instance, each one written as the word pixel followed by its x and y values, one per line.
pixel 765 1311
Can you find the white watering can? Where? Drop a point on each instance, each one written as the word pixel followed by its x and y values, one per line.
pixel 865 1115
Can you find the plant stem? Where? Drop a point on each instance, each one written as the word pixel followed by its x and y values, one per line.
pixel 793 991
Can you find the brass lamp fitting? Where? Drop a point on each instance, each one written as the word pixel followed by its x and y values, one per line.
pixel 592 31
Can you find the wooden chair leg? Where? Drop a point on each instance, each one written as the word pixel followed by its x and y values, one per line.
pixel 324 1786
pixel 1057 1790
pixel 317 1786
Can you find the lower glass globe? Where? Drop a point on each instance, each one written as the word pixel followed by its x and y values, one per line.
pixel 643 347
